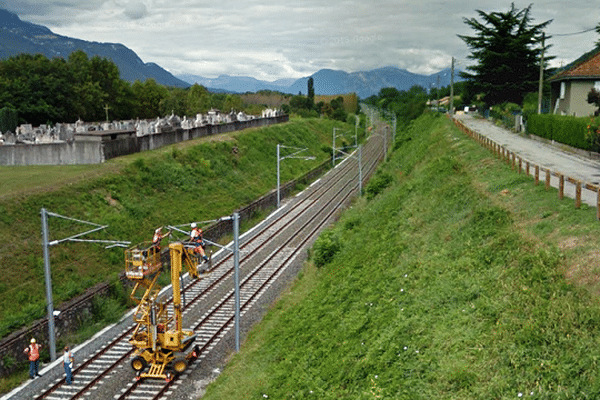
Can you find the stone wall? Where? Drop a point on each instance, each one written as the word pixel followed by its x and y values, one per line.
pixel 98 151
pixel 72 314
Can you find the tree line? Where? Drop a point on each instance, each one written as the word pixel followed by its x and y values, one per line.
pixel 39 90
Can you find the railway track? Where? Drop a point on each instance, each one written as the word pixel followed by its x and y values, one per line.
pixel 266 252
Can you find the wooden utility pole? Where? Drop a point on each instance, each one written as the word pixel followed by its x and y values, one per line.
pixel 541 88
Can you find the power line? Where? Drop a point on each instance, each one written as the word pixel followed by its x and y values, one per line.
pixel 574 33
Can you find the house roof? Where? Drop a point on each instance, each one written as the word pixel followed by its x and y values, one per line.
pixel 587 66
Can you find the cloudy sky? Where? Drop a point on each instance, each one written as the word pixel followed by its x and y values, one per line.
pixel 273 39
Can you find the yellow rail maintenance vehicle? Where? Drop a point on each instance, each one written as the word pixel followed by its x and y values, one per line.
pixel 159 339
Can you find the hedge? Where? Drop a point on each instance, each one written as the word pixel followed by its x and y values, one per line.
pixel 561 128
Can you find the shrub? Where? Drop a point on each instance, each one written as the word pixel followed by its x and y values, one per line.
pixel 325 248
pixel 377 184
pixel 593 135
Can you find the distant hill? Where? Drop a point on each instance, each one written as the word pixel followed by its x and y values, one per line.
pixel 329 82
pixel 18 37
pixel 237 84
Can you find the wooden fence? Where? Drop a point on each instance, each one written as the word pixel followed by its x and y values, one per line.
pixel 520 164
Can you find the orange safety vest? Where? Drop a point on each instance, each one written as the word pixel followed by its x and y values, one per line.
pixel 34 351
pixel 156 238
pixel 196 235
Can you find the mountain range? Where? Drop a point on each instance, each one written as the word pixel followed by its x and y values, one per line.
pixel 17 36
pixel 329 82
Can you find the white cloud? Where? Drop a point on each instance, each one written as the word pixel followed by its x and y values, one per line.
pixel 270 39
pixel 135 10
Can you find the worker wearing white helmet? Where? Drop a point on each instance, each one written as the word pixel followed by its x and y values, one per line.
pixel 33 350
pixel 198 241
pixel 158 236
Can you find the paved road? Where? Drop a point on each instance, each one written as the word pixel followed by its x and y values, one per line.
pixel 549 156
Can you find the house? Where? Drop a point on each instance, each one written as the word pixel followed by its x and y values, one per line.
pixel 570 86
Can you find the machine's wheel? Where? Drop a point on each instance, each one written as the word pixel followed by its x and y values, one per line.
pixel 138 363
pixel 180 365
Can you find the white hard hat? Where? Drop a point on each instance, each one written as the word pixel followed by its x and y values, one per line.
pixel 193 225
pixel 158 229
pixel 32 340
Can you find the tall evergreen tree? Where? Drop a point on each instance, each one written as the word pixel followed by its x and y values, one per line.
pixel 507 48
pixel 311 91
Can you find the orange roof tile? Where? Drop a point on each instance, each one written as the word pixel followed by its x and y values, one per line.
pixel 588 68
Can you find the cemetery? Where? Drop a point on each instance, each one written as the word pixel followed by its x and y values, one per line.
pixel 93 143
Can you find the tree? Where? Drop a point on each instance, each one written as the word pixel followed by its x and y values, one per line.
pixel 508 51
pixel 311 90
pixel 9 119
pixel 148 98
pixel 198 100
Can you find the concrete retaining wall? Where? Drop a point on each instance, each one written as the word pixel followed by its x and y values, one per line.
pixel 60 153
pixel 99 150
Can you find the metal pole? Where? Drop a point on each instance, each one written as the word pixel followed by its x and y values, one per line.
pixel 356 134
pixel 385 145
pixel 48 278
pixel 333 141
pixel 451 111
pixel 541 87
pixel 360 170
pixel 278 177
pixel 394 133
pixel 236 263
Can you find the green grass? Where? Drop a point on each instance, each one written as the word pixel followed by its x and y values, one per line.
pixel 193 181
pixel 461 280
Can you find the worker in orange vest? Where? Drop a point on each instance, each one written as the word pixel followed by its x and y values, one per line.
pixel 34 358
pixel 198 241
pixel 158 236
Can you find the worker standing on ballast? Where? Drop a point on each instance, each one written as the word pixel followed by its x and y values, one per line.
pixel 198 241
pixel 33 350
pixel 68 365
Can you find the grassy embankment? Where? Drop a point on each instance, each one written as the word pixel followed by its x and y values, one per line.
pixel 193 181
pixel 462 280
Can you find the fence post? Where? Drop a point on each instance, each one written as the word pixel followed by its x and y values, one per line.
pixel 561 186
pixel 537 175
pixel 527 167
pixel 512 161
pixel 547 178
pixel 520 165
pixel 598 203
pixel 578 195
